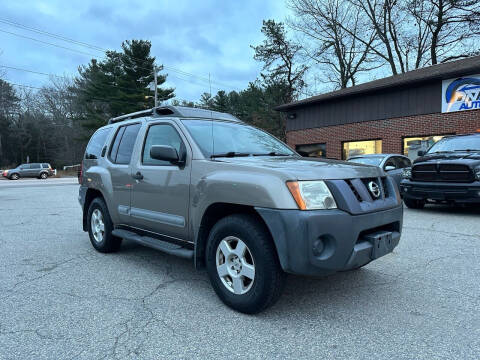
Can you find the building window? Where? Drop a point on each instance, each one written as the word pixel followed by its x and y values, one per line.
pixel 312 150
pixel 354 148
pixel 412 145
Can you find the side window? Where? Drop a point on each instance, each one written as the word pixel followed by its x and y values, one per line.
pixel 45 166
pixel 122 148
pixel 25 167
pixel 34 166
pixel 95 145
pixel 161 134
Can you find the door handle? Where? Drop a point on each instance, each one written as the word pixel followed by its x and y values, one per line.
pixel 138 176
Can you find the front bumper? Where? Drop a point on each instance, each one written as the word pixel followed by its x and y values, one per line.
pixel 321 242
pixel 441 192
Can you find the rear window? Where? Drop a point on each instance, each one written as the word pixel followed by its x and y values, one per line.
pixel 122 148
pixel 95 145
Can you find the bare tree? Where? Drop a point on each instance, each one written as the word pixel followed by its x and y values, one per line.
pixel 328 43
pixel 401 40
pixel 453 27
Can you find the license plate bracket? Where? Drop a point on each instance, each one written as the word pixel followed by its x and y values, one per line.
pixel 382 243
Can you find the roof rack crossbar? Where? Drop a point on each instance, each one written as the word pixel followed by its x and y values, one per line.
pixel 130 116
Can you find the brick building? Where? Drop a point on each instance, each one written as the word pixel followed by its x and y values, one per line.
pixel 399 114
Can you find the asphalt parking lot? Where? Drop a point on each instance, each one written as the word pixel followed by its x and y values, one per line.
pixel 59 299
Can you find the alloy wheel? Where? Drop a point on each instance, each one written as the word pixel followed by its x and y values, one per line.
pixel 235 265
pixel 98 226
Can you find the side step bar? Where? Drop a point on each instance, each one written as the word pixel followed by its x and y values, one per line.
pixel 166 247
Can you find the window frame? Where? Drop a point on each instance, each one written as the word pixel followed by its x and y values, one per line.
pixel 362 140
pixel 112 142
pixel 145 141
pixel 313 144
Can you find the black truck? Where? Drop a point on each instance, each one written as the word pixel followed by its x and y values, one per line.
pixel 449 172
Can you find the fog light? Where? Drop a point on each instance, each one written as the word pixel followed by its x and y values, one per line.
pixel 318 247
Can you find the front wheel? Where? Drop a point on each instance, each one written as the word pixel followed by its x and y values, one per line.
pixel 100 227
pixel 242 264
pixel 14 177
pixel 413 203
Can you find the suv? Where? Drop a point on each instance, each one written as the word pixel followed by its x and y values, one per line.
pixel 38 170
pixel 205 186
pixel 449 172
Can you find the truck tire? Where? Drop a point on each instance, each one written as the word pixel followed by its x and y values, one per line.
pixel 243 265
pixel 413 203
pixel 100 227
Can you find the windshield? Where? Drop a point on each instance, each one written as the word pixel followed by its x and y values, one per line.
pixel 234 139
pixel 459 143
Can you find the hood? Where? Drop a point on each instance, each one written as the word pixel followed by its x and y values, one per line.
pixel 458 157
pixel 298 168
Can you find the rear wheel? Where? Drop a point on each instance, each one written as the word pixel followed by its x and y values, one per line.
pixel 43 176
pixel 100 227
pixel 14 177
pixel 242 264
pixel 413 203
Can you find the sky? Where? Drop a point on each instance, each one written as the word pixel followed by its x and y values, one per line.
pixel 202 38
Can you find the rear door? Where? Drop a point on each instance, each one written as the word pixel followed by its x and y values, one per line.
pixel 118 165
pixel 34 170
pixel 160 199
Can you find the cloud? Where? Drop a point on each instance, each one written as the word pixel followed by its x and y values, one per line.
pixel 199 37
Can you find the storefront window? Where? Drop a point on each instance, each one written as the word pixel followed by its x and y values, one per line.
pixel 354 148
pixel 412 145
pixel 312 150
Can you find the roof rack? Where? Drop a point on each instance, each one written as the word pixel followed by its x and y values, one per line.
pixel 130 116
pixel 177 111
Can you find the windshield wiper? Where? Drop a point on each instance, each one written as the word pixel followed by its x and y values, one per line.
pixel 467 150
pixel 229 154
pixel 272 153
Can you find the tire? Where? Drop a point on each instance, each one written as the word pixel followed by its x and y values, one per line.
pixel 413 203
pixel 254 295
pixel 14 176
pixel 97 216
pixel 43 176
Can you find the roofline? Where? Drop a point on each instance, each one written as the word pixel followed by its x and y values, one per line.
pixel 434 72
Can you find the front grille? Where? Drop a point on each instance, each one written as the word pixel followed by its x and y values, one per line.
pixel 442 172
pixel 355 192
pixel 361 191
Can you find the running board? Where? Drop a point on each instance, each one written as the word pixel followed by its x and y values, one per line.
pixel 166 247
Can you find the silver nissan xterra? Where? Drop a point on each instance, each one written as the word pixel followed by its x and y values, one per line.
pixel 205 186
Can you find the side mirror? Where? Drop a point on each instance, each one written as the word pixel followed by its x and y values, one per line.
pixel 165 153
pixel 389 168
pixel 420 153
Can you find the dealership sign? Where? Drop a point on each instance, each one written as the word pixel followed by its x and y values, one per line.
pixel 461 94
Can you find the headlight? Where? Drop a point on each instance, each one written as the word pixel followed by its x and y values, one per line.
pixel 310 195
pixel 407 173
pixel 477 174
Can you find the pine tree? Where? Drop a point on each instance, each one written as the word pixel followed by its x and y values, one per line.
pixel 119 84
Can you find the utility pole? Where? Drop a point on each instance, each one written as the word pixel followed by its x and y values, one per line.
pixel 210 83
pixel 155 81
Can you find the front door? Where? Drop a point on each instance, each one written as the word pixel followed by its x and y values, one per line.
pixel 160 192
